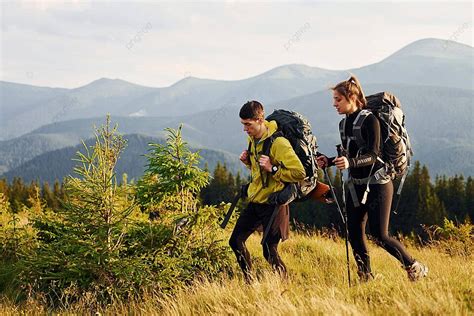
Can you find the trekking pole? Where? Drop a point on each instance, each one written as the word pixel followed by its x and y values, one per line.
pixel 344 221
pixel 339 154
pixel 231 209
pixel 333 192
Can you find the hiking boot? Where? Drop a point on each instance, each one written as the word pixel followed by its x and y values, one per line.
pixel 365 276
pixel 417 271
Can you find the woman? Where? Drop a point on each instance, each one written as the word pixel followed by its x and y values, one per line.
pixel 364 201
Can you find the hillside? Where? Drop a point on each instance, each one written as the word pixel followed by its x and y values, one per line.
pixel 427 62
pixel 439 120
pixel 59 163
pixel 317 285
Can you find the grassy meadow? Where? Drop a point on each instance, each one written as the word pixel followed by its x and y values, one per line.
pixel 317 284
pixel 98 253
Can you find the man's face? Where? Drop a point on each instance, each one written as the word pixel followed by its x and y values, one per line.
pixel 252 126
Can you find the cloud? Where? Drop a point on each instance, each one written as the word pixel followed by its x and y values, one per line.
pixel 70 44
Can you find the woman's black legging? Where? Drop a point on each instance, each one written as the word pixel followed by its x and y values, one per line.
pixel 377 210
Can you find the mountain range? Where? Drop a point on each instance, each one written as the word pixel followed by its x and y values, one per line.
pixel 434 82
pixel 56 164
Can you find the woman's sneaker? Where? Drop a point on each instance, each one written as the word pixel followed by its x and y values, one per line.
pixel 417 271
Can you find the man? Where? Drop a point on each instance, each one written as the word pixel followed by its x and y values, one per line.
pixel 269 175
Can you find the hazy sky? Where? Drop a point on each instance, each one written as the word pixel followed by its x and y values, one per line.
pixel 69 44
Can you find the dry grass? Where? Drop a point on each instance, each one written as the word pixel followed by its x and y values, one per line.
pixel 317 285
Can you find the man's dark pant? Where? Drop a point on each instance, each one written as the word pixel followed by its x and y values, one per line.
pixel 250 219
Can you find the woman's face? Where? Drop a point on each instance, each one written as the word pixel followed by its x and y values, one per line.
pixel 342 104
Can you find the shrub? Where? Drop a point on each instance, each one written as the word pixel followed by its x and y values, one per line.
pixel 455 240
pixel 99 247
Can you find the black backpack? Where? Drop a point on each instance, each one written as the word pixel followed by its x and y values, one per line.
pixel 297 129
pixel 396 147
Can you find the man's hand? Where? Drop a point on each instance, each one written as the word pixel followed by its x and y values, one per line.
pixel 341 163
pixel 265 163
pixel 244 157
pixel 322 161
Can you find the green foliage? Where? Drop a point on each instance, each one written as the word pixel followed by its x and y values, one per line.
pixel 457 195
pixel 4 204
pixel 430 209
pixel 97 246
pixel 172 174
pixel 81 243
pixel 170 187
pixel 455 240
pixel 222 187
pixel 469 198
pixel 16 241
pixel 90 238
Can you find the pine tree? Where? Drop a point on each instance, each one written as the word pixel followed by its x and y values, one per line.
pixel 83 241
pixel 31 192
pixel 18 195
pixel 172 177
pixel 231 184
pixel 58 191
pixel 430 209
pixel 441 188
pixel 95 201
pixel 456 198
pixel 49 197
pixel 469 198
pixel 222 187
pixel 405 220
pixel 238 181
pixel 99 247
pixel 4 188
pixel 36 203
pixel 4 207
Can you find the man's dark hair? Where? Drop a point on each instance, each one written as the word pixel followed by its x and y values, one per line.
pixel 251 110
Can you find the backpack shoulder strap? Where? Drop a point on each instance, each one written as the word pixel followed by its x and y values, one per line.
pixel 342 130
pixel 249 151
pixel 267 144
pixel 357 127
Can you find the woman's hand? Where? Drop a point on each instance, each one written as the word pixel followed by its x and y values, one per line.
pixel 341 163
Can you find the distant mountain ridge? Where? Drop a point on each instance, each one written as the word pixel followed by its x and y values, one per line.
pixel 424 62
pixel 59 163
pixel 439 120
pixel 432 47
pixel 433 79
